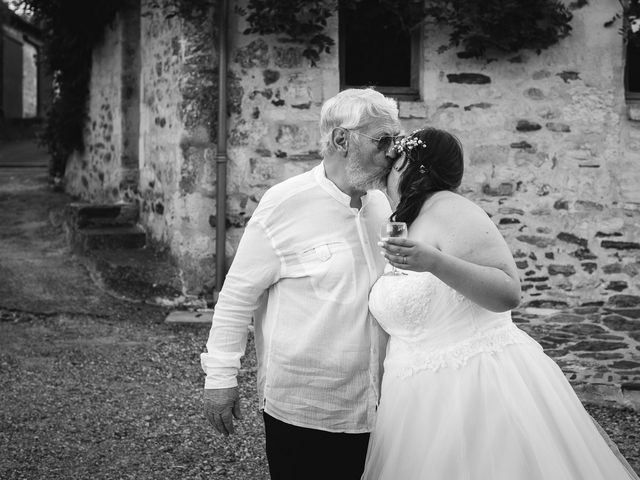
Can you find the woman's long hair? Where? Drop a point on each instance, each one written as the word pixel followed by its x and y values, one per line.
pixel 438 166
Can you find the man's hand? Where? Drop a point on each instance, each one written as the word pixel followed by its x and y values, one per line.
pixel 220 406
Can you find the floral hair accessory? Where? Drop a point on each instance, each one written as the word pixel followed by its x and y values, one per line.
pixel 406 144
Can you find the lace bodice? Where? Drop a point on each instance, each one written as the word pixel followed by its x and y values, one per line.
pixel 431 326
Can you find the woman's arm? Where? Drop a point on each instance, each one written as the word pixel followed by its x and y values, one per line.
pixel 457 242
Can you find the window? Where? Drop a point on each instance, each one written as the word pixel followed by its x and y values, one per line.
pixel 376 52
pixel 632 71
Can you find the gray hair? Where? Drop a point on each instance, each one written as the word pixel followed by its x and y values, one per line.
pixel 355 108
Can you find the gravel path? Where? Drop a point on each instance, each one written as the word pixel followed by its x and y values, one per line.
pixel 119 397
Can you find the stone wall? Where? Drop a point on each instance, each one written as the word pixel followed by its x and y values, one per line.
pixel 551 156
pixel 178 114
pixel 551 153
pixel 275 104
pixel 152 126
pixel 95 174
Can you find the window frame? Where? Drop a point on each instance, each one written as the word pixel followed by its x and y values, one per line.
pixel 404 93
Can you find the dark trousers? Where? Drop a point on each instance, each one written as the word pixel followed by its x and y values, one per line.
pixel 296 453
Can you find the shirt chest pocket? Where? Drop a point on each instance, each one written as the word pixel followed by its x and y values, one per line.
pixel 330 270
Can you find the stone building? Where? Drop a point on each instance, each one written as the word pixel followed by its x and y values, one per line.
pixel 552 140
pixel 24 83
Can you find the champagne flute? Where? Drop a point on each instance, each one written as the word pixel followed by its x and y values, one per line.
pixel 396 230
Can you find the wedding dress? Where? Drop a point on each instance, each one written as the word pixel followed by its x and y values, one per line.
pixel 468 395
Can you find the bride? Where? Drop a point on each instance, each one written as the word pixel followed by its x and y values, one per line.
pixel 466 394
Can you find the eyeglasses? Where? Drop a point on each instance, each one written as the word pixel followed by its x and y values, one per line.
pixel 383 143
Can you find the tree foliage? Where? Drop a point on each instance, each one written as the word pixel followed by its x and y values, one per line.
pixel 507 26
pixel 479 27
pixel 301 21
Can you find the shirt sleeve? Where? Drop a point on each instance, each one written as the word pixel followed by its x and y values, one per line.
pixel 255 268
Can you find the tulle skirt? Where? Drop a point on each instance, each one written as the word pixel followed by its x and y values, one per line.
pixel 508 415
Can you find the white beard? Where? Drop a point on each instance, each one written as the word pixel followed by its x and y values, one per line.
pixel 361 180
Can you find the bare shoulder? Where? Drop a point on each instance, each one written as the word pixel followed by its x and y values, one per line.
pixel 462 228
pixel 451 210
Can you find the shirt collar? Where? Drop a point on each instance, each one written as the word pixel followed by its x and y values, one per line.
pixel 321 177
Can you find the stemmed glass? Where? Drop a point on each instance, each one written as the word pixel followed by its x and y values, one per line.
pixel 397 230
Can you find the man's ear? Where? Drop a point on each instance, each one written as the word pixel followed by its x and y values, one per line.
pixel 340 140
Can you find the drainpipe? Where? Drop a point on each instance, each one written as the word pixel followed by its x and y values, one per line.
pixel 221 155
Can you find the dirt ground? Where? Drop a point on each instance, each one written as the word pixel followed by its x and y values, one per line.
pixel 86 397
pixel 115 398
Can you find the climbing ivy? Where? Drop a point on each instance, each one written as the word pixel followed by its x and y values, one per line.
pixel 507 26
pixel 477 26
pixel 630 16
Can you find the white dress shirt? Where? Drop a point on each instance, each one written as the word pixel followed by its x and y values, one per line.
pixel 303 272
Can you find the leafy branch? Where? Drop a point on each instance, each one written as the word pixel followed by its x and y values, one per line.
pixel 503 25
pixel 301 21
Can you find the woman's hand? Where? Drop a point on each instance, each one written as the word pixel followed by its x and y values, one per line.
pixel 408 254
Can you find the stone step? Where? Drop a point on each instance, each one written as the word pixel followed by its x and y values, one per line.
pixel 82 215
pixel 86 239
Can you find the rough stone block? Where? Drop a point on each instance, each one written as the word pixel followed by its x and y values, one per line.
pixel 620 323
pixel 566 270
pixel 527 126
pixel 545 303
pixel 481 105
pixel 542 242
pixel 584 254
pixel 571 238
pixel 468 78
pixel 523 145
pixel 561 204
pixel 620 245
pixel 568 75
pixel 598 345
pixel 624 301
pixel 617 285
pixel 270 76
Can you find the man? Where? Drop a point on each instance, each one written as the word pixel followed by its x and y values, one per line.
pixel 303 271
